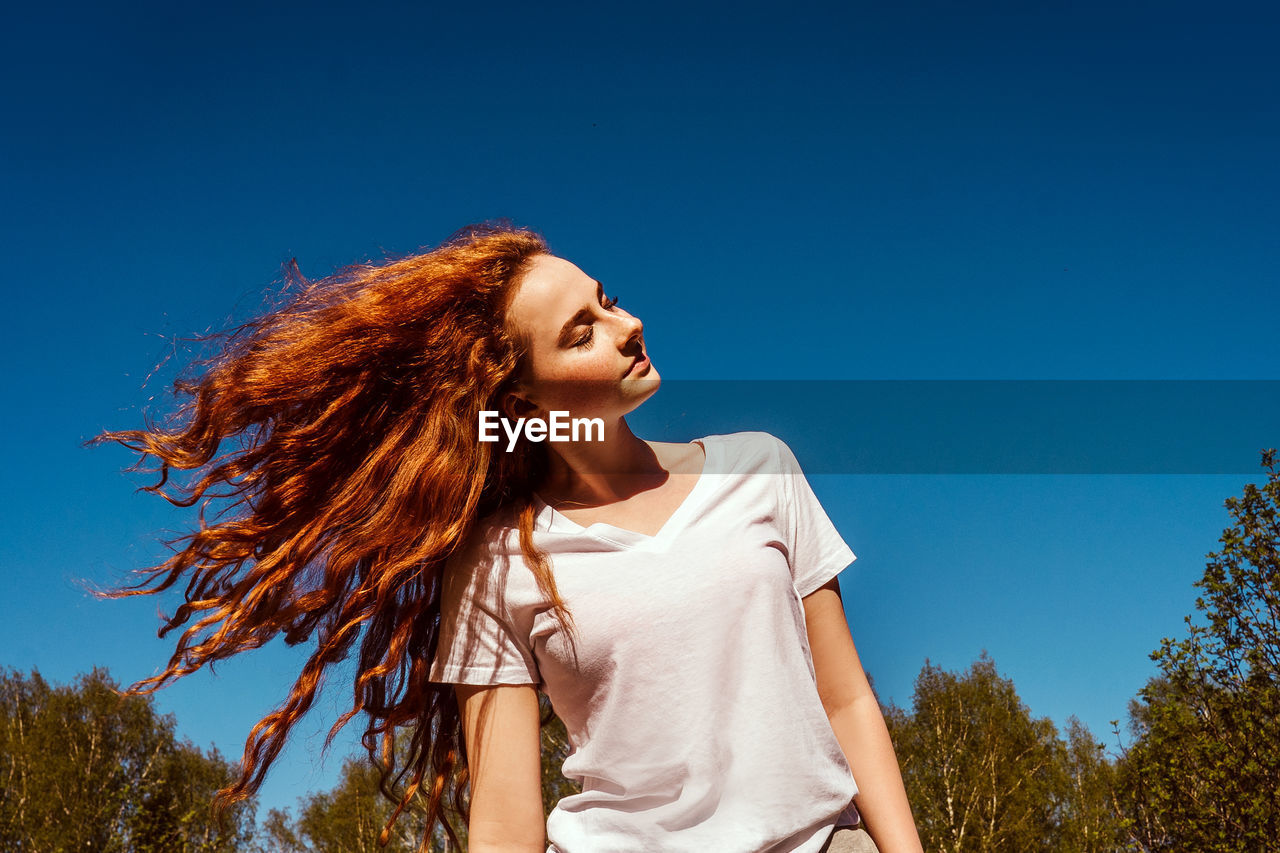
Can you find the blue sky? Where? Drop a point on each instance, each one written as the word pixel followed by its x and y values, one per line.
pixel 845 191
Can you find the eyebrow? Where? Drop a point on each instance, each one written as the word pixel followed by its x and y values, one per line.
pixel 582 314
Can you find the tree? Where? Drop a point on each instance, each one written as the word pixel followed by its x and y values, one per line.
pixel 1203 771
pixel 1088 821
pixel 83 767
pixel 349 818
pixel 980 773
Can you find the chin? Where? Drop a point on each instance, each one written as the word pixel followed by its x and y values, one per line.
pixel 636 391
pixel 646 386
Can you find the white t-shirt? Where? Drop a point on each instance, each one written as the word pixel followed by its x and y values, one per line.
pixel 692 709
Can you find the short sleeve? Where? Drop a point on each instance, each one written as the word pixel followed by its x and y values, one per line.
pixel 815 549
pixel 480 638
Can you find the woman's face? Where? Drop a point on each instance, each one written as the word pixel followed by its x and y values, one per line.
pixel 586 355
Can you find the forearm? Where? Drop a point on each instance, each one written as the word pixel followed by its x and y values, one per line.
pixel 505 824
pixel 881 799
pixel 503 837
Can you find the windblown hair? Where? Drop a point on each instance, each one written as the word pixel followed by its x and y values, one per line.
pixel 359 472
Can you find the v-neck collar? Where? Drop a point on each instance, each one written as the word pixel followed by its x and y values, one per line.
pixel 552 520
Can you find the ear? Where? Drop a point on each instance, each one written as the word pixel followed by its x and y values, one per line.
pixel 516 406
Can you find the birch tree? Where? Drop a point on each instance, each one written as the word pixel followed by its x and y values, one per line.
pixel 982 775
pixel 83 768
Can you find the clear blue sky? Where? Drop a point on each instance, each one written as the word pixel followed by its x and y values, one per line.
pixel 795 191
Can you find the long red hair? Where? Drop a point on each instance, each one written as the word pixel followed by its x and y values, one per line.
pixel 358 473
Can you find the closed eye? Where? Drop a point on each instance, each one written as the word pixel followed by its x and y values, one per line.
pixel 586 339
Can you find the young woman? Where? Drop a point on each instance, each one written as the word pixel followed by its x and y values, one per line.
pixel 676 603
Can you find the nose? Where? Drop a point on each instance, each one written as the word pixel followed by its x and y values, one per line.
pixel 633 335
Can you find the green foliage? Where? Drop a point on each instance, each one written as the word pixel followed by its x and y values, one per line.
pixel 351 816
pixel 83 768
pixel 1088 821
pixel 1203 771
pixel 982 775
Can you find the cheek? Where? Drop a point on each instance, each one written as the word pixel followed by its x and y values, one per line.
pixel 579 382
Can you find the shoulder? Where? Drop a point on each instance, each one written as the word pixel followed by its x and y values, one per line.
pixel 752 451
pixel 486 539
pixel 678 457
pixel 487 566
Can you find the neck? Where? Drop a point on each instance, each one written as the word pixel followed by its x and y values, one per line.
pixel 594 473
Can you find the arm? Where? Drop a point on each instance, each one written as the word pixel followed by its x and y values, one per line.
pixel 504 754
pixel 859 726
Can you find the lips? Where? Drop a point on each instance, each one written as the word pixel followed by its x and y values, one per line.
pixel 639 364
